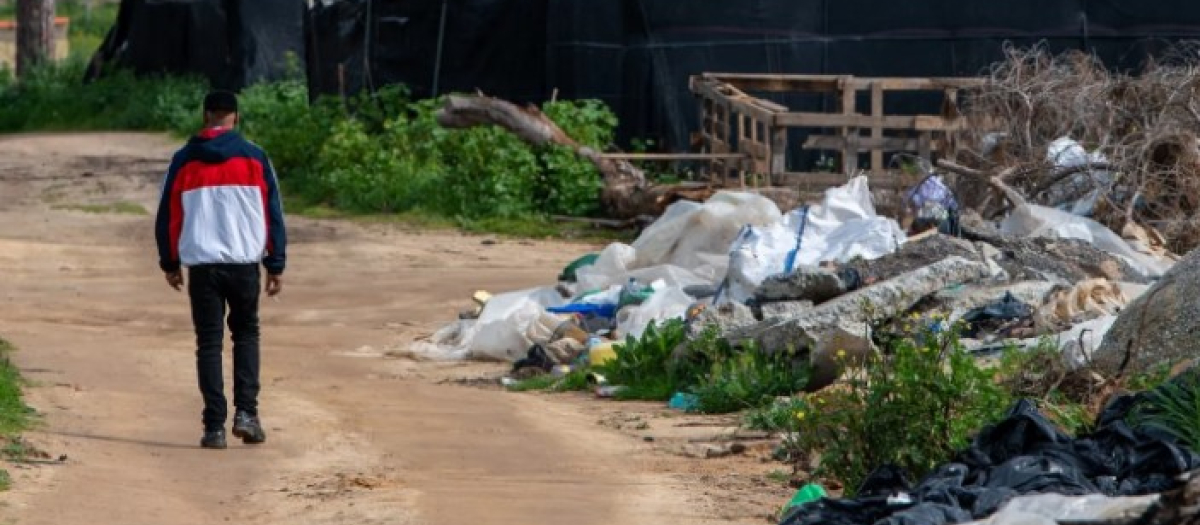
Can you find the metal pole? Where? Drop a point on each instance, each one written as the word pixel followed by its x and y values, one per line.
pixel 437 64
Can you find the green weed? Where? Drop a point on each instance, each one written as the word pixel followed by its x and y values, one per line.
pixel 749 379
pixel 126 208
pixel 1173 408
pixel 913 405
pixel 776 417
pixel 575 381
pixel 15 416
pixel 646 365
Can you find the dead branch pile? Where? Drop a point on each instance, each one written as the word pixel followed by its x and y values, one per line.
pixel 1144 125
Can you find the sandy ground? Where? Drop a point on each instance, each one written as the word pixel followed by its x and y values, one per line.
pixel 355 437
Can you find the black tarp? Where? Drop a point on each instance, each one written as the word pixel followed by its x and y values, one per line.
pixel 232 43
pixel 496 46
pixel 1023 454
pixel 636 55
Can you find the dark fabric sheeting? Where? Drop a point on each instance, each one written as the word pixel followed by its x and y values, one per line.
pixel 1023 454
pixel 635 55
pixel 231 43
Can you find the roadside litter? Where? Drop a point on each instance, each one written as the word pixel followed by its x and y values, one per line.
pixel 826 279
pixel 805 274
pixel 1023 455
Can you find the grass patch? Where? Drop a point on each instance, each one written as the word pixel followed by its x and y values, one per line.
pixel 15 416
pixel 121 208
pixel 528 227
pixel 575 381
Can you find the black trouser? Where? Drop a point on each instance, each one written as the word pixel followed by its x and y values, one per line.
pixel 211 288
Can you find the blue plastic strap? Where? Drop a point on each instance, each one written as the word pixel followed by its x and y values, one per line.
pixel 790 263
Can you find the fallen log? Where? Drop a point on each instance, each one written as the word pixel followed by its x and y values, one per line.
pixel 626 193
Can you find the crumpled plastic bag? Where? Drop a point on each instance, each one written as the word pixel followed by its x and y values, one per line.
pixel 500 333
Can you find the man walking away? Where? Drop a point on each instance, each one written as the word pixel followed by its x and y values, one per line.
pixel 220 215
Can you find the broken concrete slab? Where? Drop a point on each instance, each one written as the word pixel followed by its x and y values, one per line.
pixel 726 317
pixel 784 309
pixel 1158 327
pixel 853 314
pixel 958 300
pixel 914 255
pixel 807 283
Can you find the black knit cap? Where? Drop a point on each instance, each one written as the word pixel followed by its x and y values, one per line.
pixel 220 101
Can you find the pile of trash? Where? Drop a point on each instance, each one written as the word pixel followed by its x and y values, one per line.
pixel 801 279
pixel 1024 470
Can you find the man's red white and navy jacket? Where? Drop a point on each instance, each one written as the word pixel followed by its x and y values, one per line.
pixel 220 205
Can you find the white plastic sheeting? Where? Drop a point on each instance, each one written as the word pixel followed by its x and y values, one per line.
pixel 1049 509
pixel 667 303
pixel 843 227
pixel 735 240
pixel 688 231
pixel 500 332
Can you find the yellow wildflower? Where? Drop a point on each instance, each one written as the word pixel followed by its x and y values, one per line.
pixel 800 415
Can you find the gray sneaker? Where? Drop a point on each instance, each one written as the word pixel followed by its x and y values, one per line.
pixel 247 427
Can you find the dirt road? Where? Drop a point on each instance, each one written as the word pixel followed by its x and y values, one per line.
pixel 354 438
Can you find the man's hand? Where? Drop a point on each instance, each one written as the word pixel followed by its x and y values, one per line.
pixel 175 279
pixel 274 285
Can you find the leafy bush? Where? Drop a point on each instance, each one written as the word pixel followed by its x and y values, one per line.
pixel 912 405
pixel 723 378
pixel 748 378
pixel 776 417
pixel 54 97
pixel 645 366
pixel 374 153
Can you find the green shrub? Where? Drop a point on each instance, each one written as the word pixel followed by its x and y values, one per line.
pixel 723 378
pixel 912 405
pixel 775 417
pixel 54 97
pixel 574 381
pixel 645 367
pixel 748 378
pixel 372 153
pixel 14 414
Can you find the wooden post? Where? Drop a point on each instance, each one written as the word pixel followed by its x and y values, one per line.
pixel 35 34
pixel 850 150
pixel 779 140
pixel 707 132
pixel 877 126
pixel 726 139
pixel 743 142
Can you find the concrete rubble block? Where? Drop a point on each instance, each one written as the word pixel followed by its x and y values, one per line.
pixel 785 309
pixel 914 255
pixel 807 283
pixel 845 323
pixel 1160 326
pixel 727 318
pixel 959 300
